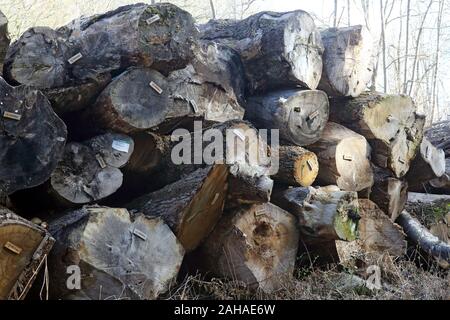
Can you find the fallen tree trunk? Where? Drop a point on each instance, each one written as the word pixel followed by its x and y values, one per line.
pixel 4 40
pixel 24 249
pixel 343 158
pixel 323 215
pixel 348 61
pixel 32 138
pixel 191 206
pixel 297 166
pixel 439 135
pixel 390 124
pixel 389 193
pixel 428 164
pixel 256 245
pixel 442 184
pixel 300 115
pixel 277 49
pixel 119 256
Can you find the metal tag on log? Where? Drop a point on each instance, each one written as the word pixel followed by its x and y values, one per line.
pixel 215 199
pixel 401 160
pixel 121 146
pixel 313 115
pixel 12 115
pixel 152 19
pixel 156 87
pixel 100 161
pixel 310 164
pixel 75 58
pixel 194 105
pixel 347 157
pixel 13 248
pixel 140 234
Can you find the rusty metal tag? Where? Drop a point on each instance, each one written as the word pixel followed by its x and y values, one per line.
pixel 75 58
pixel 156 87
pixel 13 248
pixel 347 157
pixel 152 19
pixel 140 234
pixel 100 161
pixel 12 115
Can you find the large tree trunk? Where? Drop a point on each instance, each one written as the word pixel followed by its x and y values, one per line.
pixel 300 115
pixel 347 61
pixel 24 249
pixel 191 206
pixel 277 49
pixel 323 214
pixel 120 256
pixel 389 193
pixel 343 158
pixel 297 167
pixel 390 124
pixel 429 164
pixel 4 40
pixel 439 135
pixel 442 184
pixel 32 138
pixel 256 245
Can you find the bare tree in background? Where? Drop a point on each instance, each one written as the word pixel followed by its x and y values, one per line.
pixel 434 103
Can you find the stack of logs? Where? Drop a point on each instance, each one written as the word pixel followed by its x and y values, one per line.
pixel 92 114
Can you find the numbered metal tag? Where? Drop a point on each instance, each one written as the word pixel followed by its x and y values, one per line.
pixel 100 161
pixel 156 88
pixel 194 106
pixel 75 58
pixel 139 234
pixel 152 19
pixel 13 248
pixel 12 115
pixel 348 157
pixel 310 164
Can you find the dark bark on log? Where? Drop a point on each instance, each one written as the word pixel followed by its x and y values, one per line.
pixel 4 40
pixel 389 193
pixel 347 61
pixel 256 245
pixel 344 158
pixel 191 206
pixel 120 256
pixel 32 138
pixel 428 164
pixel 297 167
pixel 24 248
pixel 277 49
pixel 300 115
pixel 390 124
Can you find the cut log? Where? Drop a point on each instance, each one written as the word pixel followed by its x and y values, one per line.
pixel 344 158
pixel 300 115
pixel 191 206
pixel 89 171
pixel 256 245
pixel 389 193
pixel 377 233
pixel 298 166
pixel 4 40
pixel 442 184
pixel 119 256
pixel 24 249
pixel 277 49
pixel 428 164
pixel 348 61
pixel 439 135
pixel 32 138
pixel 323 215
pixel 390 124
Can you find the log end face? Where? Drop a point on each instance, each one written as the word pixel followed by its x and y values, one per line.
pixel 306 169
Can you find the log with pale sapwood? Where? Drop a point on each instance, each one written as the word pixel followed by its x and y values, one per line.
pixel 439 135
pixel 119 255
pixel 344 158
pixel 32 138
pixel 389 122
pixel 24 247
pixel 254 244
pixel 4 39
pixel 277 49
pixel 348 62
pixel 299 115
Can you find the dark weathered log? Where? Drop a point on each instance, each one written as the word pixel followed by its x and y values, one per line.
pixel 277 49
pixel 323 214
pixel 389 193
pixel 119 256
pixel 347 60
pixel 191 206
pixel 256 245
pixel 89 171
pixel 298 166
pixel 390 124
pixel 32 138
pixel 377 233
pixel 24 247
pixel 300 115
pixel 428 164
pixel 439 135
pixel 4 40
pixel 343 158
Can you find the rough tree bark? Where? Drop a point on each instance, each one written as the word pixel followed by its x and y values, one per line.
pixel 32 138
pixel 347 61
pixel 4 40
pixel 277 49
pixel 256 245
pixel 191 206
pixel 120 256
pixel 390 124
pixel 343 158
pixel 24 249
pixel 300 115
